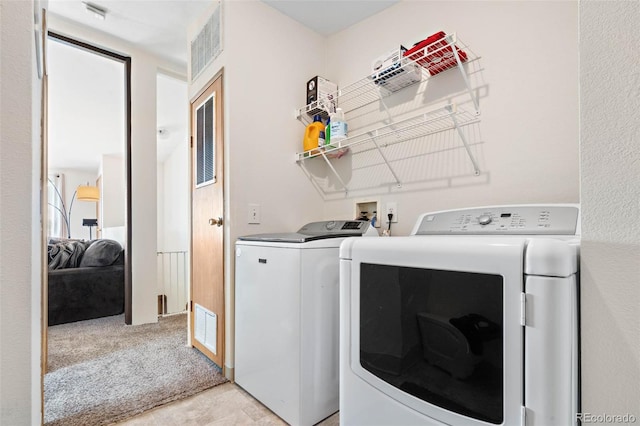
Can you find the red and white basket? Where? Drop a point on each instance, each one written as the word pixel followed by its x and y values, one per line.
pixel 435 53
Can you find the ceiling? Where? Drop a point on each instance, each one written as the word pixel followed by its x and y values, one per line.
pixel 159 27
pixel 329 17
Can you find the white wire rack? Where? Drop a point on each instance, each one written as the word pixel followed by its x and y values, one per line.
pixel 443 55
pixel 450 53
pixel 425 124
pixel 443 119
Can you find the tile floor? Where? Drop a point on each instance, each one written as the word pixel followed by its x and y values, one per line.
pixel 226 404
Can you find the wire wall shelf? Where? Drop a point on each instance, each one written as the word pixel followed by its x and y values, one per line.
pixel 417 64
pixel 440 120
pixel 451 51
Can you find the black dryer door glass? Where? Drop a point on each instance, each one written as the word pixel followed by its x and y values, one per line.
pixel 437 335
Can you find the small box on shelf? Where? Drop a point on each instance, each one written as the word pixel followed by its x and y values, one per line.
pixel 321 96
pixel 392 72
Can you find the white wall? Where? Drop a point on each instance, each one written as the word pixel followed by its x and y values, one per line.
pixel 174 226
pixel 144 70
pixel 173 164
pixel 175 206
pixel 610 182
pixel 79 209
pixel 20 232
pixel 528 79
pixel 113 192
pixel 113 199
pixel 267 60
pixel 143 189
pixel 160 202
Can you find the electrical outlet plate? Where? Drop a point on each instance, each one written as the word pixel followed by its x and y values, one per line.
pixel 392 207
pixel 253 214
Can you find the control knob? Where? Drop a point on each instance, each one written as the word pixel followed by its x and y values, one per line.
pixel 484 219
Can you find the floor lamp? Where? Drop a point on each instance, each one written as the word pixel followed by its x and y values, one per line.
pixel 90 223
pixel 82 193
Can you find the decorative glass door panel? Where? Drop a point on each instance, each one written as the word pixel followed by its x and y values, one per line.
pixel 206 143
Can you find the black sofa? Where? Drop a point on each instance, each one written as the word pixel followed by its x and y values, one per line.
pixel 86 280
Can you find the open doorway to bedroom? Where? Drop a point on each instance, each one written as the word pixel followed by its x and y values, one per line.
pixel 88 134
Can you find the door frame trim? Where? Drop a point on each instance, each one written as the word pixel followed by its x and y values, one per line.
pixel 126 60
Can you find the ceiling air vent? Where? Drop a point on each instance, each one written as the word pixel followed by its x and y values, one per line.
pixel 207 45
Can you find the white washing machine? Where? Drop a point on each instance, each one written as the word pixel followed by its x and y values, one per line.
pixel 287 318
pixel 471 320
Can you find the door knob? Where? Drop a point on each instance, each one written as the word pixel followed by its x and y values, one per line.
pixel 217 222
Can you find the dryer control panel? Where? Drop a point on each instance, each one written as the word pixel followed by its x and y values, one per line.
pixel 500 220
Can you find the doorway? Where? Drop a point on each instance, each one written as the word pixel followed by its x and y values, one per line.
pixel 172 194
pixel 89 144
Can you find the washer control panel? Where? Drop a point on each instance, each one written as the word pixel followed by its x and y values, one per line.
pixel 512 220
pixel 341 227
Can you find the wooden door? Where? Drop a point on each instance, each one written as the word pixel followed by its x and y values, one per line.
pixel 207 223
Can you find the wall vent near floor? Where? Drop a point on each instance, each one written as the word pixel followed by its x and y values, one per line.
pixel 205 328
pixel 207 45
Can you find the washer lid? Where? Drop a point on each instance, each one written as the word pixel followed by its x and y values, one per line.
pixel 315 231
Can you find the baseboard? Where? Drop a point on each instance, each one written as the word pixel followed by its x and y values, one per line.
pixel 229 373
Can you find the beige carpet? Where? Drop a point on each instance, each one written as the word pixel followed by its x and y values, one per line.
pixel 102 371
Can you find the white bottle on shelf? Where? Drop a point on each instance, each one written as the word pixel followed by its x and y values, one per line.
pixel 338 126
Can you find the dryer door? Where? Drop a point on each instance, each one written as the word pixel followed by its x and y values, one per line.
pixel 435 325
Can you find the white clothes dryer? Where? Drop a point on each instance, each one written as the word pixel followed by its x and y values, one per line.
pixel 471 320
pixel 287 318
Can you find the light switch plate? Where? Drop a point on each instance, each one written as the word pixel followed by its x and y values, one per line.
pixel 253 214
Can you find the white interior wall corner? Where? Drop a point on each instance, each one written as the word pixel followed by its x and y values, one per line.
pixel 20 241
pixel 114 203
pixel 610 190
pixel 161 192
pixel 176 207
pixel 144 190
pixel 39 259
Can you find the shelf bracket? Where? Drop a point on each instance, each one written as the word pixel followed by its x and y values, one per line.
pixel 346 190
pixel 384 158
pixel 452 41
pixel 311 178
pixel 464 140
pixel 386 109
